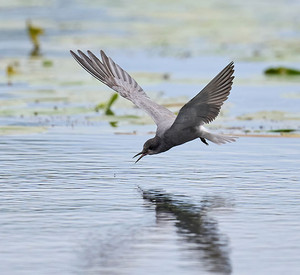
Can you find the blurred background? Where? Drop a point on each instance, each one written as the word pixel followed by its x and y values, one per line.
pixel 172 48
pixel 73 202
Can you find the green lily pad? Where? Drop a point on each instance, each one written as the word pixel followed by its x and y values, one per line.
pixel 47 63
pixel 270 115
pixel 282 71
pixel 282 131
pixel 20 130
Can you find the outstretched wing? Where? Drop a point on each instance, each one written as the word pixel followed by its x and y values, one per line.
pixel 206 105
pixel 112 75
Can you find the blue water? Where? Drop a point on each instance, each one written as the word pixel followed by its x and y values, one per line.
pixel 71 205
pixel 72 201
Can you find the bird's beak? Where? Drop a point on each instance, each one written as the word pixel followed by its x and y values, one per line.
pixel 142 155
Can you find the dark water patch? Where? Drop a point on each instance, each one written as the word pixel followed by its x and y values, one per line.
pixel 196 226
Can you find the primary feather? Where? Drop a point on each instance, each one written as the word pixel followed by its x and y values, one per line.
pixel 112 75
pixel 202 109
pixel 171 130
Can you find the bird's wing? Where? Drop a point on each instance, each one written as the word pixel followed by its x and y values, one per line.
pixel 112 75
pixel 206 105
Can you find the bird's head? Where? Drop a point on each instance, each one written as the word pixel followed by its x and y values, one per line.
pixel 151 147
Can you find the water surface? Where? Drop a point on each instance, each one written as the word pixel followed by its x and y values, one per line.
pixel 72 200
pixel 71 205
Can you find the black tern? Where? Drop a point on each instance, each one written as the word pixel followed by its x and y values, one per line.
pixel 171 130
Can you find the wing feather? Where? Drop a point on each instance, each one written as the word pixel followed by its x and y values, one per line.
pixel 112 75
pixel 206 105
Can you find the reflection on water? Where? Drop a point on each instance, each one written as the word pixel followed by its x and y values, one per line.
pixel 195 224
pixel 69 205
pixel 67 191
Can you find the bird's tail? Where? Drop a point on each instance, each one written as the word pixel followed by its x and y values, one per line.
pixel 216 138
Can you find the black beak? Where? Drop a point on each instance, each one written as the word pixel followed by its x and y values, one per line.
pixel 142 155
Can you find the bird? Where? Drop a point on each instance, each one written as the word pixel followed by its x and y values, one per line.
pixel 171 130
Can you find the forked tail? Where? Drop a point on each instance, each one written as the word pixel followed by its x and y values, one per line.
pixel 216 138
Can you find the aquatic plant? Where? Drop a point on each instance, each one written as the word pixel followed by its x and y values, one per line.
pixel 282 131
pixel 47 63
pixel 282 71
pixel 107 105
pixel 34 33
pixel 11 70
pixel 20 130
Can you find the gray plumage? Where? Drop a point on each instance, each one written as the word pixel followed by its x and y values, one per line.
pixel 171 130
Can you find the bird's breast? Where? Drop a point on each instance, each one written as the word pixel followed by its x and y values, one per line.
pixel 175 138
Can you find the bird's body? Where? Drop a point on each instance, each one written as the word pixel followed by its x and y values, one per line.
pixel 171 130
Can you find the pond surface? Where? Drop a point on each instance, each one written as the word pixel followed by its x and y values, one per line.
pixel 74 206
pixel 72 201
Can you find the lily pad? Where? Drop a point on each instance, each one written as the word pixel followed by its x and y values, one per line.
pixel 282 71
pixel 282 131
pixel 47 63
pixel 20 130
pixel 270 115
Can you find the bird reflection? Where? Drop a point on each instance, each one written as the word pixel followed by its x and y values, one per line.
pixel 196 226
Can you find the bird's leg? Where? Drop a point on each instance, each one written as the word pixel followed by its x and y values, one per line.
pixel 204 140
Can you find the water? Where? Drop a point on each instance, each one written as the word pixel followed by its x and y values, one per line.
pixel 71 205
pixel 72 201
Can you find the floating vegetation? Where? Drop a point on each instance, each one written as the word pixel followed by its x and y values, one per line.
pixel 270 115
pixel 115 120
pixel 20 130
pixel 100 106
pixel 107 105
pixel 34 33
pixel 47 63
pixel 24 110
pixel 110 102
pixel 283 131
pixel 282 71
pixel 113 124
pixel 11 70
